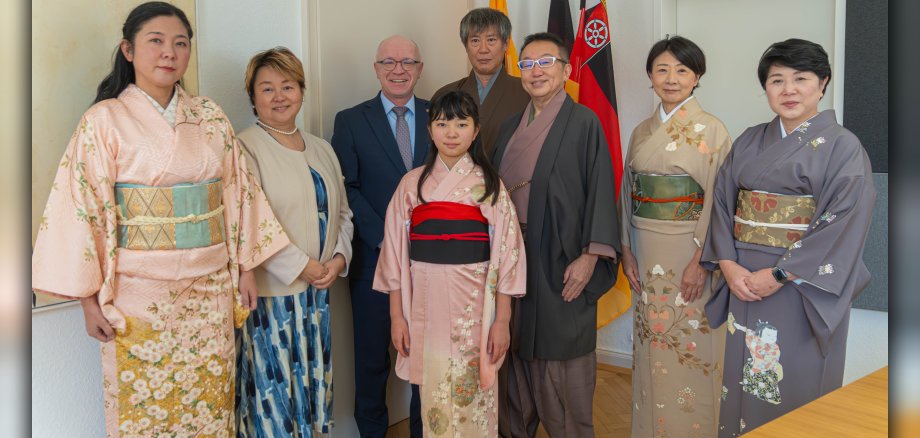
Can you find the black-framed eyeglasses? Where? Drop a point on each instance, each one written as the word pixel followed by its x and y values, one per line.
pixel 389 64
pixel 544 62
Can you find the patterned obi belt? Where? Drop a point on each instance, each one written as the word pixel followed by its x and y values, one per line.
pixel 667 197
pixel 448 233
pixel 178 217
pixel 770 219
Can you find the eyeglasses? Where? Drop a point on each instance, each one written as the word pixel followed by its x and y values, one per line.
pixel 389 64
pixel 545 62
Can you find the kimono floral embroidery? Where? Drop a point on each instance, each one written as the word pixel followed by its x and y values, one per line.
pixel 685 398
pixel 664 326
pixel 817 142
pixel 826 269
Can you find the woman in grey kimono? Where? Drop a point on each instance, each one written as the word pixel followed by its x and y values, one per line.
pixel 665 203
pixel 792 206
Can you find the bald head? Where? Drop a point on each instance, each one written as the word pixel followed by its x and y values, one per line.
pixel 398 43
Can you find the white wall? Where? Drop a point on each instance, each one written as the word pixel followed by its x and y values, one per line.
pixel 229 33
pixel 66 376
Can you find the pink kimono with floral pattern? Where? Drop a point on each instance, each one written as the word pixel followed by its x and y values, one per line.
pixel 450 308
pixel 171 368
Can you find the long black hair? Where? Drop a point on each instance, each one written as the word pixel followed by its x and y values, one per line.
pixel 460 105
pixel 122 73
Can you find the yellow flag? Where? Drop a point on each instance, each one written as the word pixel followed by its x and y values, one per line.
pixel 511 57
pixel 615 302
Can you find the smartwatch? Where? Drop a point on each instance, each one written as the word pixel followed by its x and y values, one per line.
pixel 779 274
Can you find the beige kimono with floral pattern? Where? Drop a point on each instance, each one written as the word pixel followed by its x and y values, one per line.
pixel 677 358
pixel 450 308
pixel 170 369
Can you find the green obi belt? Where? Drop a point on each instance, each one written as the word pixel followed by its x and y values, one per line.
pixel 771 219
pixel 666 197
pixel 178 217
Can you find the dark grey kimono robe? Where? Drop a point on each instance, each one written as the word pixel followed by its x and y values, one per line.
pixel 800 331
pixel 572 203
pixel 506 98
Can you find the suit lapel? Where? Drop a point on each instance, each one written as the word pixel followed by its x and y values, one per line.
pixel 377 119
pixel 422 138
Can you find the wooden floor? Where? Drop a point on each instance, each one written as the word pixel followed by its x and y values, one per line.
pixel 612 412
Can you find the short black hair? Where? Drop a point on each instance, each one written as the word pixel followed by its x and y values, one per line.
pixel 547 36
pixel 797 54
pixel 482 19
pixel 686 51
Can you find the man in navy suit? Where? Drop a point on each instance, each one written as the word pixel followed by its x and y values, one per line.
pixel 377 142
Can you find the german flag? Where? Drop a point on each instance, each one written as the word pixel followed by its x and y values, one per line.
pixel 592 78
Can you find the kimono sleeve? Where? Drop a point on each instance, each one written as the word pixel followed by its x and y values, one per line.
pixel 624 201
pixel 254 234
pixel 507 252
pixel 719 243
pixel 828 258
pixel 74 253
pixel 392 272
pixel 719 148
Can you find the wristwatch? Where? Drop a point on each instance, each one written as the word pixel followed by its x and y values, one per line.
pixel 779 274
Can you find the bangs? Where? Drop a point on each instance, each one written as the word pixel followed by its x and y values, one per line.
pixel 454 105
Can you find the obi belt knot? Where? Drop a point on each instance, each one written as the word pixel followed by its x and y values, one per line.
pixel 448 233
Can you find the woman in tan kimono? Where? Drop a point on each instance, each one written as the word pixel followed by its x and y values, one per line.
pixel 154 223
pixel 664 204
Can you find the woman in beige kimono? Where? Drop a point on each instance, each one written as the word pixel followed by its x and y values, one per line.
pixel 154 223
pixel 452 259
pixel 671 166
pixel 285 357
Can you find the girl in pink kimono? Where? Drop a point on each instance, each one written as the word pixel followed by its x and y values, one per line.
pixel 452 258
pixel 154 223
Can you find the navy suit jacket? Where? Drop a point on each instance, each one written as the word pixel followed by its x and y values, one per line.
pixel 372 167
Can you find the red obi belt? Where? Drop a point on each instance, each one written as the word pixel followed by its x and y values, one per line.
pixel 448 233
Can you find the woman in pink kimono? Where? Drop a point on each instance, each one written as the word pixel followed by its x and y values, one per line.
pixel 451 260
pixel 154 223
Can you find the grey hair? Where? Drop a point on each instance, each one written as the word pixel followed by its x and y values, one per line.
pixel 480 19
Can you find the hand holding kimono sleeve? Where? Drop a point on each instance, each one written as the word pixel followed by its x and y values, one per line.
pixel 74 253
pixel 720 148
pixel 828 258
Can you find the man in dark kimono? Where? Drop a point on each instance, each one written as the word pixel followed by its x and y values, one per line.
pixel 485 33
pixel 554 158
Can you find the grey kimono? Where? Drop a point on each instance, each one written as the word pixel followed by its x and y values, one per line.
pixel 822 233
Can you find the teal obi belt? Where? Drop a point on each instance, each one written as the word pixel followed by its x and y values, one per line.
pixel 178 217
pixel 667 197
